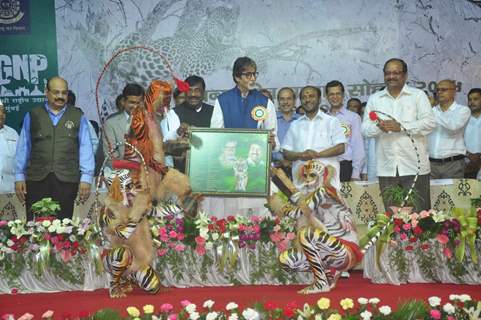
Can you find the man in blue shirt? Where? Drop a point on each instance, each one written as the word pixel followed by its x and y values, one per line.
pixel 54 154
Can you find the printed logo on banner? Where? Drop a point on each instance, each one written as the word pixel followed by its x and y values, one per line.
pixel 14 17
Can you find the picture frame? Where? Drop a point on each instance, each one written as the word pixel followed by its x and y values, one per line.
pixel 229 162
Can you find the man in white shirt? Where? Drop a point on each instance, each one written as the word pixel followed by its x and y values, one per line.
pixel 397 157
pixel 472 136
pixel 8 144
pixel 315 135
pixel 351 161
pixel 446 141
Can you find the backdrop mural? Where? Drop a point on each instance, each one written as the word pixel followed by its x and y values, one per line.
pixel 293 42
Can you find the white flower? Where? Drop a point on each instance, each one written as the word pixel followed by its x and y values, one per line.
pixel 52 228
pixel 66 221
pixel 374 300
pixel 190 308
pixel 453 297
pixel 434 301
pixel 366 315
pixel 46 223
pixel 72 238
pixel 233 316
pixel 211 316
pixel 10 243
pixel 61 229
pixel 362 300
pixel 208 304
pixel 250 314
pixel 449 308
pixel 194 316
pixel 231 306
pixel 226 235
pixel 215 236
pixel 385 310
pixel 209 245
pixel 204 233
pixel 318 317
pixel 464 298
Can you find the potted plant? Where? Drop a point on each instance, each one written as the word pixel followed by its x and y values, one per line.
pixel 45 209
pixel 396 195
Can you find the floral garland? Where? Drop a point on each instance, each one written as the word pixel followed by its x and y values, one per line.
pixel 459 307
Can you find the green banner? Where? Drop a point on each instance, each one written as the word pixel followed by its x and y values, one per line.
pixel 28 55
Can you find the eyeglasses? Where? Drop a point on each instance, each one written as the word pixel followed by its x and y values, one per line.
pixel 58 92
pixel 250 74
pixel 443 89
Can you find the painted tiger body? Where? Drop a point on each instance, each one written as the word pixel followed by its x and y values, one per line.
pixel 327 239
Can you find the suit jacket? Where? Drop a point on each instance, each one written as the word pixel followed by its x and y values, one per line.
pixel 115 128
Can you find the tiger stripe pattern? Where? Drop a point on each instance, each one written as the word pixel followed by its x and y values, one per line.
pixel 147 279
pixel 320 253
pixel 116 263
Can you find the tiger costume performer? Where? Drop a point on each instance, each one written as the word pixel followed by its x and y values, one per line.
pixel 139 181
pixel 326 242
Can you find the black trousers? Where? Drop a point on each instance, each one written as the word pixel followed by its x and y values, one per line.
pixel 51 187
pixel 345 168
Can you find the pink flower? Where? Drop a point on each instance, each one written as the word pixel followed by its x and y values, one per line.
pixel 172 316
pixel 442 238
pixel 166 307
pixel 396 229
pixel 407 226
pixel 403 236
pixel 447 253
pixel 179 247
pixel 424 214
pixel 26 316
pixel 47 314
pixel 66 255
pixel 161 252
pixel 282 245
pixel 200 250
pixel 14 291
pixel 255 219
pixel 185 303
pixel 257 228
pixel 275 237
pixel 173 234
pixel 199 240
pixel 435 314
pixel 451 318
pixel 180 236
pixel 162 230
pixel 290 235
pixel 3 222
pixel 414 223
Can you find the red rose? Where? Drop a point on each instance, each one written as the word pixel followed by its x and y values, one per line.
pixel 269 305
pixel 231 218
pixel 409 248
pixel 14 291
pixel 413 239
pixel 373 116
pixel 83 314
pixel 425 246
pixel 288 312
pixel 417 231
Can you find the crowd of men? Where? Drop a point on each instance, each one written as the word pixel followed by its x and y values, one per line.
pixel 56 152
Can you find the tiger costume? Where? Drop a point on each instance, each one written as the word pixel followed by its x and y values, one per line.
pixel 327 241
pixel 123 217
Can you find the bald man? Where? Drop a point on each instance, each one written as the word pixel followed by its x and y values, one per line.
pixel 446 142
pixel 54 154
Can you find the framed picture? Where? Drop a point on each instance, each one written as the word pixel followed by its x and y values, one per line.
pixel 229 162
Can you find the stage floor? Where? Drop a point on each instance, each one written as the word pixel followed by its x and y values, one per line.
pixel 72 303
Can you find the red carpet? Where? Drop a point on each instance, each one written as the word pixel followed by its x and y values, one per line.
pixel 355 287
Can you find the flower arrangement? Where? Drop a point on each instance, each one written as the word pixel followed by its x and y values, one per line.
pixel 425 233
pixel 55 245
pixel 459 307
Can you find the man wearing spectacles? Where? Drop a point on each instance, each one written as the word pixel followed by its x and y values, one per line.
pixel 234 109
pixel 446 142
pixel 397 157
pixel 54 156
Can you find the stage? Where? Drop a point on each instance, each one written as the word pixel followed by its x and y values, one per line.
pixel 71 304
